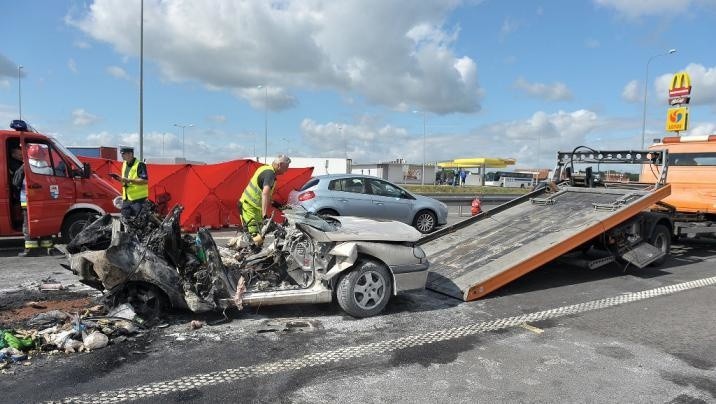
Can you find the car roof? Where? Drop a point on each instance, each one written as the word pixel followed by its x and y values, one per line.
pixel 333 176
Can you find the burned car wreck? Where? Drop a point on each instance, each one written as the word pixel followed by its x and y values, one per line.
pixel 149 263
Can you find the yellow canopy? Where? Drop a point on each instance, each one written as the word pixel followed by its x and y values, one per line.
pixel 492 162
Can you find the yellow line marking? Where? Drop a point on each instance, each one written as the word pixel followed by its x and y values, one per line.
pixel 531 328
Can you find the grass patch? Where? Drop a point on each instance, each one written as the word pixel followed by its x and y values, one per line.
pixel 469 189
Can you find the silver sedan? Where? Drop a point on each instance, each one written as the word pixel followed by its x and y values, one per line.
pixel 367 196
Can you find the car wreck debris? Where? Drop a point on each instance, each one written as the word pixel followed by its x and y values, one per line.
pixel 151 265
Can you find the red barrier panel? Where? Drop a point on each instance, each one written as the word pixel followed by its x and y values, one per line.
pixel 207 192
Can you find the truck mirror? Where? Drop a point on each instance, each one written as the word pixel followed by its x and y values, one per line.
pixel 86 170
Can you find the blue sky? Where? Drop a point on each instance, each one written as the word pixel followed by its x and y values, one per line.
pixel 490 78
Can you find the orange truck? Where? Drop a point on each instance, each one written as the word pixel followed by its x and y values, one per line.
pixel 62 193
pixel 578 218
pixel 692 175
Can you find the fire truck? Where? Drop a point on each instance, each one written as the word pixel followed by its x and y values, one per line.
pixel 63 195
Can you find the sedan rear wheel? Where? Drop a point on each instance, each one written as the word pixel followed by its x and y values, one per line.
pixel 364 291
pixel 425 221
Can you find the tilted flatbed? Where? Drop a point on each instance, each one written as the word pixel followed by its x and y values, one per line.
pixel 481 254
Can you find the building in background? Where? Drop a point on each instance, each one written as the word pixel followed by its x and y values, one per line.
pixel 397 171
pixel 101 152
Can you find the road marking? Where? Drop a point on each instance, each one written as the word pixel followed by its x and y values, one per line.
pixel 532 328
pixel 375 348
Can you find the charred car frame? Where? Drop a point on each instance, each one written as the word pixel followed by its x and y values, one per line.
pixel 151 264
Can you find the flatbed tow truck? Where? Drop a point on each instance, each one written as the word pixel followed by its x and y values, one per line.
pixel 576 217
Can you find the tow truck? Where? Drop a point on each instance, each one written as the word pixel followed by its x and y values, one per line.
pixel 577 217
pixel 692 175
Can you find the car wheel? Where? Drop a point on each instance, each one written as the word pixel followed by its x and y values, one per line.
pixel 661 239
pixel 74 223
pixel 148 301
pixel 425 221
pixel 364 291
pixel 327 212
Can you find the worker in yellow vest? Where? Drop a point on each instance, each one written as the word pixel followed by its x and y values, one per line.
pixel 135 183
pixel 257 198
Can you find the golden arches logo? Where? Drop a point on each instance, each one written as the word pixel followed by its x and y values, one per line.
pixel 680 80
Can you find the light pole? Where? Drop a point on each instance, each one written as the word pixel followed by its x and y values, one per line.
pixel 19 89
pixel 422 179
pixel 184 126
pixel 265 87
pixel 141 82
pixel 646 86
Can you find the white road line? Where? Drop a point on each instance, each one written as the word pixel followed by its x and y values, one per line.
pixel 342 354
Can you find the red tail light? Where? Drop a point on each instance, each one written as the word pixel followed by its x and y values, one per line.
pixel 306 196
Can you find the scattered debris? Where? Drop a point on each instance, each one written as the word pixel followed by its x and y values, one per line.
pixel 35 305
pixel 48 319
pixel 196 324
pixel 49 284
pixel 95 340
pixel 290 326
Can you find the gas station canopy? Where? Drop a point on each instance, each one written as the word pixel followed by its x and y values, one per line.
pixel 492 162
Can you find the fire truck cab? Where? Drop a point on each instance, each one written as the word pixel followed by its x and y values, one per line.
pixel 62 193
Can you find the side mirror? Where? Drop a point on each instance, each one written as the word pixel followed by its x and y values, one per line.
pixel 86 170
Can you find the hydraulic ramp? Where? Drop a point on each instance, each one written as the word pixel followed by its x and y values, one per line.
pixel 481 254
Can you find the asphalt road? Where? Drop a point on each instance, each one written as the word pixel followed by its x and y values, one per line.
pixel 559 334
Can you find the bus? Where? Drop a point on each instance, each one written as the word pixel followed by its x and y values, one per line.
pixel 509 179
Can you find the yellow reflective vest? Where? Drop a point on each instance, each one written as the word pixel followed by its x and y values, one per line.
pixel 133 192
pixel 252 193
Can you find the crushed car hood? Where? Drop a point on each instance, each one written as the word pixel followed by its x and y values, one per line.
pixel 350 228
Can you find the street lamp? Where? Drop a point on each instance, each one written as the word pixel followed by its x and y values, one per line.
pixel 141 82
pixel 19 89
pixel 646 86
pixel 422 179
pixel 184 126
pixel 265 122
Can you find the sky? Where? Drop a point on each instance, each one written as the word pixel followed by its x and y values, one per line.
pixel 371 80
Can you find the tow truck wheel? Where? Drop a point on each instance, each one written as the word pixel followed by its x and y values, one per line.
pixel 74 224
pixel 364 291
pixel 661 239
pixel 147 301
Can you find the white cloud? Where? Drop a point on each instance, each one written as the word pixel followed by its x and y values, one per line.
pixel 294 45
pixel 703 83
pixel 103 138
pixel 4 83
pixel 707 128
pixel 117 72
pixel 552 92
pixel 640 8
pixel 370 141
pixel 72 65
pixel 80 117
pixel 632 91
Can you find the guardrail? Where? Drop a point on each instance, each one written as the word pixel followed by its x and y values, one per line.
pixel 464 201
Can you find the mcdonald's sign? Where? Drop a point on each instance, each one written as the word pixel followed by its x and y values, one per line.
pixel 680 86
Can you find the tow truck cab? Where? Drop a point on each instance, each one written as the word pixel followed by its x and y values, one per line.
pixel 62 193
pixel 692 173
